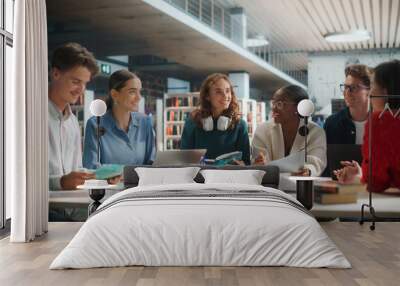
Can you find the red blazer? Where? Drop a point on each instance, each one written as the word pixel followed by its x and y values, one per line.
pixel 385 152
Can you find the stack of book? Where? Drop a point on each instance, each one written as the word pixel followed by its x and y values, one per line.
pixel 331 192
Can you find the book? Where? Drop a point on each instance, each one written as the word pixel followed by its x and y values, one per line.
pixel 108 171
pixel 324 198
pixel 225 159
pixel 334 187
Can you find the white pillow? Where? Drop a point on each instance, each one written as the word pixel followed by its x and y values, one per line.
pixel 166 176
pixel 248 177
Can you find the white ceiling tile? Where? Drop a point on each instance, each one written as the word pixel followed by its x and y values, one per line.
pixel 394 23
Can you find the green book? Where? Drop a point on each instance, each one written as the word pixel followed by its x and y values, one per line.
pixel 225 159
pixel 107 171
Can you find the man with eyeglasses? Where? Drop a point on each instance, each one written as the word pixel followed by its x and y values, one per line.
pixel 347 125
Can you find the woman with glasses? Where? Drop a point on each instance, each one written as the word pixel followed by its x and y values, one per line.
pixel 127 136
pixel 280 137
pixel 385 137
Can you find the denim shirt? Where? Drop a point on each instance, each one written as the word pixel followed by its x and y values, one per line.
pixel 135 147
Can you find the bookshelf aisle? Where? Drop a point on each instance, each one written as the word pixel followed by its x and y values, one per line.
pixel 253 113
pixel 261 113
pixel 177 108
pixel 81 109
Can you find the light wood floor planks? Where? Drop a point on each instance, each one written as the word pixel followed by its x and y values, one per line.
pixel 375 257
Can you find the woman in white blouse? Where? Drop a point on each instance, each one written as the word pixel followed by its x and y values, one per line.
pixel 280 136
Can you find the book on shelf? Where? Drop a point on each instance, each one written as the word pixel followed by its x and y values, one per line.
pixel 260 112
pixel 225 159
pixel 173 143
pixel 177 115
pixel 173 129
pixel 182 101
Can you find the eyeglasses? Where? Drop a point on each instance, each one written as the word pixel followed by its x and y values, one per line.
pixel 279 104
pixel 352 88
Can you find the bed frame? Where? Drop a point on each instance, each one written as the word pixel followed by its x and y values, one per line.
pixel 270 179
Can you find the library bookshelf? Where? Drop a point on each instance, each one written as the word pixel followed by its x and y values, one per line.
pixel 177 107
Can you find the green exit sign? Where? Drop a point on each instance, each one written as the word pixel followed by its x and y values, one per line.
pixel 105 68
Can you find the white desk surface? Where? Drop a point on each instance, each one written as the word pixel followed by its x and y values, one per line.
pixel 76 198
pixel 385 205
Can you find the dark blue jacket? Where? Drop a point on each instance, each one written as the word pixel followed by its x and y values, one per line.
pixel 340 128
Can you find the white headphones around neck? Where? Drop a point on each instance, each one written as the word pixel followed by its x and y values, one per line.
pixel 222 123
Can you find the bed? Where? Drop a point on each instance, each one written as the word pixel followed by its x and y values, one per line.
pixel 201 224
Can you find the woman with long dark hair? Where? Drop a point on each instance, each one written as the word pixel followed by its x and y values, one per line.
pixel 216 125
pixel 128 136
pixel 385 137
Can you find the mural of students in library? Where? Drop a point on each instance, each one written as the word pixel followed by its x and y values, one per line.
pixel 216 125
pixel 280 136
pixel 385 137
pixel 72 67
pixel 128 136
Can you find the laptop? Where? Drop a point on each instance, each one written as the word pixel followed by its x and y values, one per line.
pixel 179 157
pixel 342 152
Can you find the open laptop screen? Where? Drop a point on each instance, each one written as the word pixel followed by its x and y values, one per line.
pixel 179 157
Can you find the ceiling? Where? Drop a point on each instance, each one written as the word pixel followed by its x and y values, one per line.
pixel 132 27
pixel 297 26
pixel 293 27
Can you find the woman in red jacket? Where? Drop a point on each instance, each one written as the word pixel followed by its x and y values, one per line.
pixel 385 134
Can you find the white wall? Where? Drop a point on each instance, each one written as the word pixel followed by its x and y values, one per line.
pixel 241 84
pixel 326 71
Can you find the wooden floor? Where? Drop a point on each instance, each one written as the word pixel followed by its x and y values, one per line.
pixel 375 257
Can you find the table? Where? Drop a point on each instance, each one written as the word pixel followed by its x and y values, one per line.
pixel 385 205
pixel 75 198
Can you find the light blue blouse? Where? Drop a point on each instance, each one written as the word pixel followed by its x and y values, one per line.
pixel 135 147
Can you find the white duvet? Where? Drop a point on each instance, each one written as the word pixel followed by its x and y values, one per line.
pixel 200 231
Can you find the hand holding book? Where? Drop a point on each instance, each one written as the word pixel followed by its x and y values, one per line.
pixel 110 172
